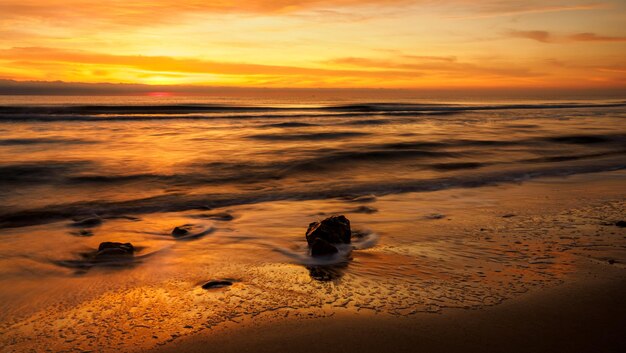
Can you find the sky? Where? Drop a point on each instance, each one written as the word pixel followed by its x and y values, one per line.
pixel 317 43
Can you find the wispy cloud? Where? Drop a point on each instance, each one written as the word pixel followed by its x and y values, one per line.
pixel 515 8
pixel 548 37
pixel 593 37
pixel 540 36
pixel 35 56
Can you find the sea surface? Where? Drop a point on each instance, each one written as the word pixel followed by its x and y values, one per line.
pixel 455 203
pixel 117 155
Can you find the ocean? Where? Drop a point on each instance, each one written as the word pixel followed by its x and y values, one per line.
pixel 107 156
pixel 454 204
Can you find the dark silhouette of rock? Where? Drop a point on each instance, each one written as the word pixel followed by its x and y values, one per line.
pixel 113 249
pixel 221 283
pixel 321 247
pixel 334 230
pixel 621 224
pixel 181 230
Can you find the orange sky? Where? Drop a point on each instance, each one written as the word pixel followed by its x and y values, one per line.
pixel 317 43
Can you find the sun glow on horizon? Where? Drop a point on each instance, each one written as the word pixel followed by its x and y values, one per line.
pixel 303 43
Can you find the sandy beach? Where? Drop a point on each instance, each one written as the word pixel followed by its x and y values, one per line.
pixel 583 314
pixel 541 268
pixel 182 227
pixel 581 308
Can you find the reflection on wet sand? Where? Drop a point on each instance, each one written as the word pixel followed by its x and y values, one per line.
pixel 407 263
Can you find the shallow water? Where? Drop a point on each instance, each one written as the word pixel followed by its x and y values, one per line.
pixel 434 189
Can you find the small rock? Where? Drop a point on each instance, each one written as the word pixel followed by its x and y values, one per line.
pixel 611 261
pixel 508 215
pixel 114 249
pixel 333 230
pixel 621 224
pixel 181 230
pixel 217 284
pixel 321 247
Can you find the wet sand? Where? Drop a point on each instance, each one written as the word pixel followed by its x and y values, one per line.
pixel 504 268
pixel 585 314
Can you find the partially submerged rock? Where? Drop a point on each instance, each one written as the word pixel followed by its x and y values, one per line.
pixel 181 230
pixel 321 236
pixel 321 247
pixel 220 283
pixel 621 224
pixel 109 249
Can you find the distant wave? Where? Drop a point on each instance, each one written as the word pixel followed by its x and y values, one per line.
pixel 207 111
pixel 310 136
pixel 41 141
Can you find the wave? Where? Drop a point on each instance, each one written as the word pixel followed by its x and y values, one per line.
pixel 207 111
pixel 422 154
pixel 41 141
pixel 184 202
pixel 309 137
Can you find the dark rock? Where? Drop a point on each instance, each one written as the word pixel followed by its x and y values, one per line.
pixel 321 247
pixel 333 230
pixel 181 230
pixel 87 222
pixel 114 249
pixel 621 224
pixel 611 261
pixel 508 215
pixel 217 284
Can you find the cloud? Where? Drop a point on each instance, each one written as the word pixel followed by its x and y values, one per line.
pixel 442 66
pixel 592 37
pixel 489 9
pixel 34 56
pixel 148 12
pixel 540 36
pixel 548 37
